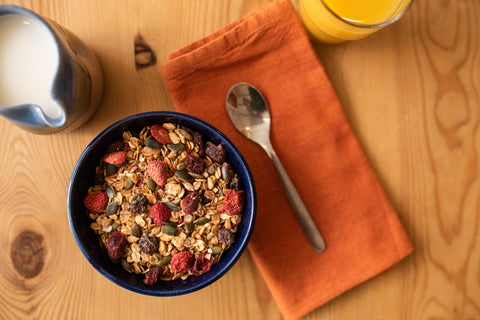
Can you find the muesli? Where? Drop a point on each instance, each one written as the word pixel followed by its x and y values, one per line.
pixel 165 203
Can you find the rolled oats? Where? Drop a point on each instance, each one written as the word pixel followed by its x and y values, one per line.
pixel 195 199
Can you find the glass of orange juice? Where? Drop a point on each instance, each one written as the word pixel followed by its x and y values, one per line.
pixel 335 21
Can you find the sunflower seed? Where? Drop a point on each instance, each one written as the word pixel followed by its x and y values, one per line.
pixel 109 191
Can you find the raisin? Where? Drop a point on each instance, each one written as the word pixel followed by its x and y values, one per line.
pixel 148 245
pixel 116 146
pixel 235 183
pixel 195 164
pixel 138 204
pixel 226 236
pixel 216 153
pixel 198 139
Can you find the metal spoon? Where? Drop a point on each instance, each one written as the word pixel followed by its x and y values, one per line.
pixel 250 115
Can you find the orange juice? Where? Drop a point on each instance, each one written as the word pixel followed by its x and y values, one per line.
pixel 334 21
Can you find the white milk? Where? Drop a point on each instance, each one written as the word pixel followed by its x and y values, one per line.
pixel 28 64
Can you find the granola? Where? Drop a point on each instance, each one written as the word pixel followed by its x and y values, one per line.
pixel 165 203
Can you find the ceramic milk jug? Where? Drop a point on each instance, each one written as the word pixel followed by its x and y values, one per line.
pixel 49 80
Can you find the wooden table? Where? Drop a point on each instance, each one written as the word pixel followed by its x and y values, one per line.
pixel 411 92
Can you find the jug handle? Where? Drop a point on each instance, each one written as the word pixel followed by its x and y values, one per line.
pixel 31 115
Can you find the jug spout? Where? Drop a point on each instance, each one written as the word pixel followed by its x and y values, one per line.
pixel 32 117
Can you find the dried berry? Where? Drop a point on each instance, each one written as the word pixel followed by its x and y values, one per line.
pixel 190 203
pixel 139 203
pixel 235 183
pixel 96 202
pixel 181 261
pixel 203 264
pixel 198 139
pixel 158 171
pixel 233 201
pixel 160 133
pixel 118 157
pixel 160 213
pixel 152 275
pixel 116 245
pixel 226 236
pixel 148 245
pixel 216 153
pixel 194 163
pixel 116 146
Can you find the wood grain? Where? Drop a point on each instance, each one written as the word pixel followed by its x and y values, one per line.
pixel 411 93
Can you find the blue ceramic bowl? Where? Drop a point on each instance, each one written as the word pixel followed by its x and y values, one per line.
pixel 83 176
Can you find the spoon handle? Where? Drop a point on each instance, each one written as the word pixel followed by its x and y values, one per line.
pixel 308 225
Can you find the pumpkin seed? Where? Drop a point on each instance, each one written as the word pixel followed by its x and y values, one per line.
pixel 126 265
pixel 112 208
pixel 164 261
pixel 153 144
pixel 170 223
pixel 169 230
pixel 136 230
pixel 109 191
pixel 176 147
pixel 172 206
pixel 189 226
pixel 201 221
pixel 128 184
pixel 110 170
pixel 183 175
pixel 185 134
pixel 151 184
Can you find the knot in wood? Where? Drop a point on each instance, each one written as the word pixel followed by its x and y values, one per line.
pixel 28 254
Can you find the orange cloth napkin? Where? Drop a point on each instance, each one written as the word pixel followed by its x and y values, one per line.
pixel 270 49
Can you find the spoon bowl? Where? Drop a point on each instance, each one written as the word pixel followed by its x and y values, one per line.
pixel 250 115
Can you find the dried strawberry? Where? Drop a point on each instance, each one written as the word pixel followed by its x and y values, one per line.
pixel 183 260
pixel 158 171
pixel 160 133
pixel 160 213
pixel 203 264
pixel 194 163
pixel 152 275
pixel 96 202
pixel 216 153
pixel 190 203
pixel 233 201
pixel 116 245
pixel 117 157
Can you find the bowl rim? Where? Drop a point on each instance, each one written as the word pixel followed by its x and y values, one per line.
pixel 241 244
